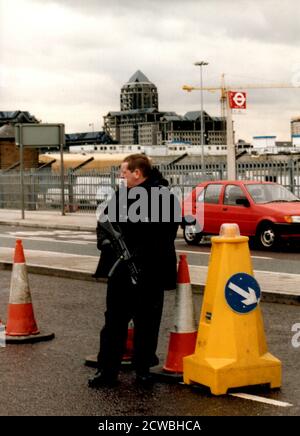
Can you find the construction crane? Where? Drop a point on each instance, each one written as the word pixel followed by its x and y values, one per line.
pixel 224 99
pixel 225 88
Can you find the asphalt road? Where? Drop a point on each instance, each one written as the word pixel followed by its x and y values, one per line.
pixel 83 242
pixel 49 378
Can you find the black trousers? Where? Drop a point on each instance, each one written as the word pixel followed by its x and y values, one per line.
pixel 124 301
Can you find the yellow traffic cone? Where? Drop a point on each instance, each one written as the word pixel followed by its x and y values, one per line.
pixel 231 349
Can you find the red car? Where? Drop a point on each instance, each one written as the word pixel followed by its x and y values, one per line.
pixel 264 211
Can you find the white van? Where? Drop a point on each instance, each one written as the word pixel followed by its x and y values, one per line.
pixel 86 191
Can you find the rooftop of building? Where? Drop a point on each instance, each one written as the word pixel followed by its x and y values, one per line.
pixel 14 117
pixel 264 137
pixel 98 137
pixel 166 116
pixel 140 77
pixel 195 115
pixel 172 117
pixel 283 143
pixel 134 112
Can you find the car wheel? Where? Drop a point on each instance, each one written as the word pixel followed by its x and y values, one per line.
pixel 266 237
pixel 191 235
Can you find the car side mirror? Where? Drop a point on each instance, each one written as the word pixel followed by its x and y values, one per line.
pixel 242 202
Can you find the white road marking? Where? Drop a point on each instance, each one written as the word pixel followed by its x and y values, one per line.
pixel 193 252
pixel 73 232
pixel 262 400
pixel 34 233
pixel 278 273
pixel 56 240
pixel 33 238
pixel 50 232
pixel 65 236
pixel 208 253
pixel 86 236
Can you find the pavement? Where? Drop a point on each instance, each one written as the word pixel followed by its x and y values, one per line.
pixel 276 287
pixel 49 219
pixel 50 378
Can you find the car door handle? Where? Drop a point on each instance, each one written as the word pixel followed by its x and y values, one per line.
pixel 225 208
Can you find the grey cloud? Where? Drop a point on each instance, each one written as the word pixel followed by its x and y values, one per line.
pixel 271 21
pixel 87 6
pixel 108 40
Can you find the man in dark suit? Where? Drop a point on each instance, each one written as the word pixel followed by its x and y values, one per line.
pixel 149 233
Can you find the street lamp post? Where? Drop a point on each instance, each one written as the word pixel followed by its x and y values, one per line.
pixel 201 64
pixel 231 159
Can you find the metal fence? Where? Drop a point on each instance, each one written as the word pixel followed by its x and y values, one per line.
pixel 285 172
pixel 42 189
pixel 84 190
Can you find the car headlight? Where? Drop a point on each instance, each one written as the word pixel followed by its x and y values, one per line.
pixel 292 218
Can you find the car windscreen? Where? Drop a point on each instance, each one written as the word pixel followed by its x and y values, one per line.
pixel 270 193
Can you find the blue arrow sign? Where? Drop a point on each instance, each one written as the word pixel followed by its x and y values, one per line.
pixel 242 293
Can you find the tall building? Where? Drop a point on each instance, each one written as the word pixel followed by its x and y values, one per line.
pixel 187 128
pixel 140 122
pixel 295 131
pixel 139 93
pixel 295 126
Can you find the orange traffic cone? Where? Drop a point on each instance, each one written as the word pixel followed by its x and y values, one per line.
pixel 184 333
pixel 128 355
pixel 21 324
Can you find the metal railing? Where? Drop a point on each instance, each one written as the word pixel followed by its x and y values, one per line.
pixel 85 189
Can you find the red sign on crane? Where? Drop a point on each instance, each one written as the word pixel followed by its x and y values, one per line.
pixel 237 100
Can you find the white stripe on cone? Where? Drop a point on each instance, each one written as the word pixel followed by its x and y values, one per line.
pixel 19 287
pixel 184 317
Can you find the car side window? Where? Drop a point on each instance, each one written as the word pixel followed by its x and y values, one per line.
pixel 212 193
pixel 232 192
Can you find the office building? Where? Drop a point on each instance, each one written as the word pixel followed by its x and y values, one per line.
pixel 140 121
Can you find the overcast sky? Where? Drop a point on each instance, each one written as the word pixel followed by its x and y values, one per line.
pixel 66 60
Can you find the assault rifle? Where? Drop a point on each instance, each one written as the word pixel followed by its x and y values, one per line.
pixel 115 237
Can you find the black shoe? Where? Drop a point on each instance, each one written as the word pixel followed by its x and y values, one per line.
pixel 101 379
